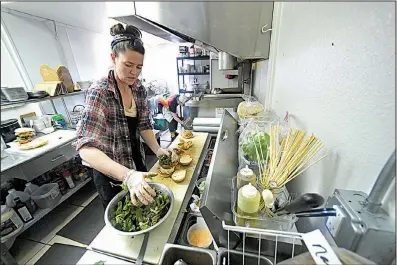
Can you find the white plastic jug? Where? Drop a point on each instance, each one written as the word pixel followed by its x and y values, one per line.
pixel 23 196
pixel 30 188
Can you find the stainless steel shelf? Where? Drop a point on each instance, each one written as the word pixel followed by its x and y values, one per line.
pixel 12 103
pixel 193 73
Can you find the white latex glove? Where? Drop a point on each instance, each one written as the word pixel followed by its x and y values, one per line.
pixel 162 151
pixel 138 187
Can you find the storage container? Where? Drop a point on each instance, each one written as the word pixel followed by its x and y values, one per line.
pixel 30 188
pixel 14 93
pixel 160 124
pixel 23 196
pixel 47 196
pixel 11 223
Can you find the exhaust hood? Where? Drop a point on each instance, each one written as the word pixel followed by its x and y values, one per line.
pixel 215 26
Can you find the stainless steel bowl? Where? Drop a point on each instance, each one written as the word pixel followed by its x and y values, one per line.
pixel 121 195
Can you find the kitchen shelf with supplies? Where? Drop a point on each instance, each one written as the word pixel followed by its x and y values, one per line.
pixel 191 66
pixel 28 101
pixel 40 213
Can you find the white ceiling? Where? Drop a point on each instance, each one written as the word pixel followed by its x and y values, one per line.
pixel 85 15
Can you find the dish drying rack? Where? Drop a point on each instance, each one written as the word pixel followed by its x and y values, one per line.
pixel 282 222
pixel 294 238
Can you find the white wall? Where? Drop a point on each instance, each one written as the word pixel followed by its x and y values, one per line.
pixel 10 77
pixel 34 42
pixel 160 64
pixel 334 72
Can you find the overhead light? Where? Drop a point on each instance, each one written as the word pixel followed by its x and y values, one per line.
pixel 3 3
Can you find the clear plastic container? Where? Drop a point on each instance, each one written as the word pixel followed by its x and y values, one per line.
pixel 23 196
pixel 30 188
pixel 14 93
pixel 262 221
pixel 47 196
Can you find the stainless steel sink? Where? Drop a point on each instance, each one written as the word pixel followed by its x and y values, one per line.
pixel 236 258
pixel 190 255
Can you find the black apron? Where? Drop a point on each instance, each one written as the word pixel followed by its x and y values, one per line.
pixel 105 185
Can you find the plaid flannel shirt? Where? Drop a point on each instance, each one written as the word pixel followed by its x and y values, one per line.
pixel 104 125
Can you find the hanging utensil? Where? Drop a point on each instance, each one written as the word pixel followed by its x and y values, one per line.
pixel 322 212
pixel 305 202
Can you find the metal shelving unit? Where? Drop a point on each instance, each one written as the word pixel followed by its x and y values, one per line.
pixel 36 100
pixel 193 73
pixel 40 213
pixel 180 62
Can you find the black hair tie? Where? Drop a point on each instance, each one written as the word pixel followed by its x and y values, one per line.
pixel 135 41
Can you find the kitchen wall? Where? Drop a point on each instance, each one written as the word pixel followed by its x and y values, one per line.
pixel 11 77
pixel 333 68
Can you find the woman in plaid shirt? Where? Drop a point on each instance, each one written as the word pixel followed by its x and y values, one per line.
pixel 116 115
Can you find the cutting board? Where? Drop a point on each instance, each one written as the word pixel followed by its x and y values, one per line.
pixel 129 247
pixel 55 139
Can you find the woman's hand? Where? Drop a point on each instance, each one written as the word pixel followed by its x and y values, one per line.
pixel 167 152
pixel 162 151
pixel 138 187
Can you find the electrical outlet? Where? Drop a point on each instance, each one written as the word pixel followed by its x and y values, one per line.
pixel 334 222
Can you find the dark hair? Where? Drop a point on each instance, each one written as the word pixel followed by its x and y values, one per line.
pixel 128 38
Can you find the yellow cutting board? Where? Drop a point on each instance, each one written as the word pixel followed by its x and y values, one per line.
pixel 128 247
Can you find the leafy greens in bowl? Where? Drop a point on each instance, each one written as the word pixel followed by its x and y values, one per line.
pixel 126 219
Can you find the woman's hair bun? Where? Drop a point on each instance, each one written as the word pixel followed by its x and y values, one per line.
pixel 128 30
pixel 133 31
pixel 117 29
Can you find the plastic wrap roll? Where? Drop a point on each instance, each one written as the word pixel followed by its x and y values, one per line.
pixel 210 122
pixel 208 129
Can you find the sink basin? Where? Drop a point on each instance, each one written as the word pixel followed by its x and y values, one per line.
pixel 236 258
pixel 190 255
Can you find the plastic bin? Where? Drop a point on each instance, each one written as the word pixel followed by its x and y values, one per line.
pixel 30 188
pixel 47 196
pixel 160 124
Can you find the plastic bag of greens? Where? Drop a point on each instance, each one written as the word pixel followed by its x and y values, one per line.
pixel 253 145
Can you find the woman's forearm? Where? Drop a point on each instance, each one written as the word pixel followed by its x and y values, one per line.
pixel 101 162
pixel 150 140
pixel 175 116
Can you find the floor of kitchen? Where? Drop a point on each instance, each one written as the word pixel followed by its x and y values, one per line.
pixel 31 245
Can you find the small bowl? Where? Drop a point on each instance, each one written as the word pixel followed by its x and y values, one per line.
pixel 198 182
pixel 195 227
